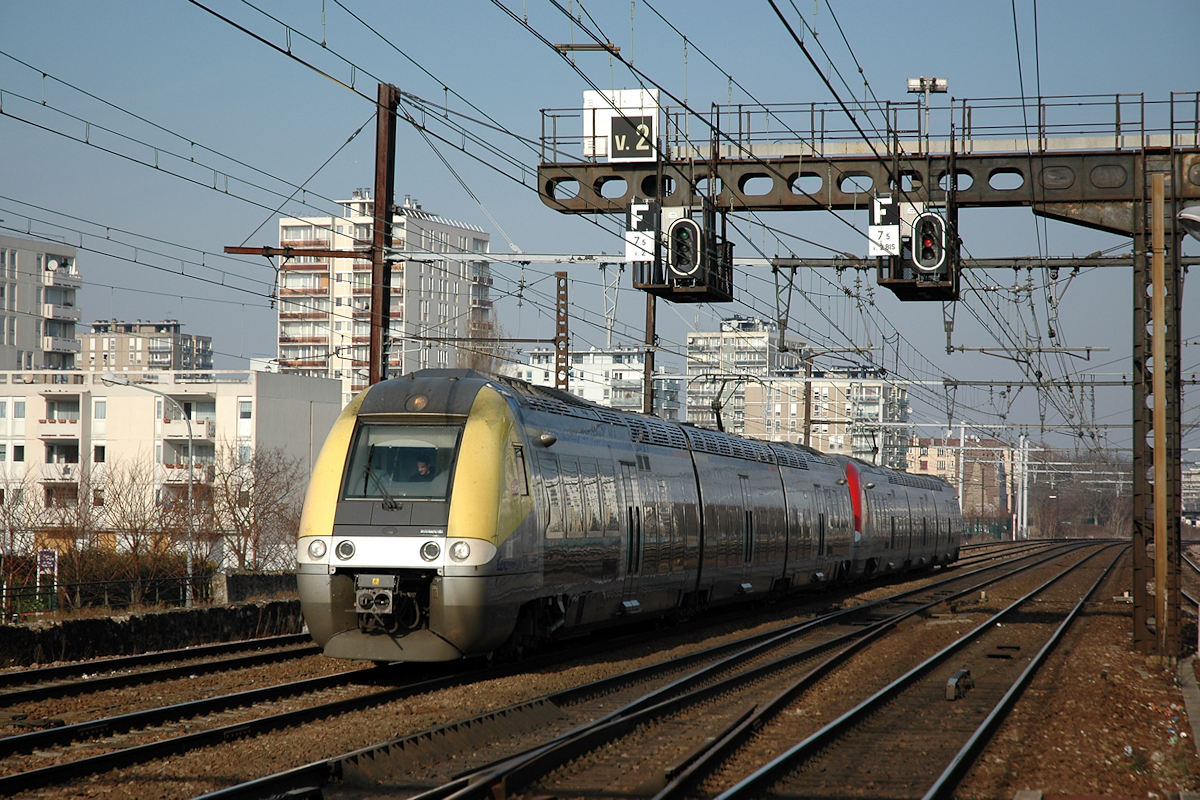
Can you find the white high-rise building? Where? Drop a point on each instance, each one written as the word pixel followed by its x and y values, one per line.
pixel 437 302
pixel 722 363
pixel 73 438
pixel 611 377
pixel 38 312
pixel 848 412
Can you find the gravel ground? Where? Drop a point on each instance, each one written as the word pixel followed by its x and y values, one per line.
pixel 1099 721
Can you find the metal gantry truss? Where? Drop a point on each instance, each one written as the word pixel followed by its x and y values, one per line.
pixel 1129 174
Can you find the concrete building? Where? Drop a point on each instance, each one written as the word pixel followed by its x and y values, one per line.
pixel 63 433
pixel 324 319
pixel 982 470
pixel 723 363
pixel 38 312
pixel 852 413
pixel 610 377
pixel 137 346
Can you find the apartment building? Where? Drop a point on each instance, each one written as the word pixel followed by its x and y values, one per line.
pixel 613 377
pixel 438 300
pixel 62 430
pixel 981 468
pixel 848 412
pixel 38 311
pixel 136 346
pixel 721 365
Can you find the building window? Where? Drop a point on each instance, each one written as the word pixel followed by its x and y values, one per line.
pixel 101 410
pixel 244 409
pixel 18 409
pixel 18 452
pixel 98 454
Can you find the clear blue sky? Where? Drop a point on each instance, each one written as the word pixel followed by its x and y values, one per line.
pixel 211 93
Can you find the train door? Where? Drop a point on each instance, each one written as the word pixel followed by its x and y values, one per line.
pixel 930 520
pixel 632 527
pixel 747 528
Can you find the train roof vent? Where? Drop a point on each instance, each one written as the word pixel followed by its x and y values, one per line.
pixel 611 417
pixel 723 444
pixel 916 481
pixel 547 404
pixel 709 441
pixel 789 456
pixel 648 430
pixel 753 450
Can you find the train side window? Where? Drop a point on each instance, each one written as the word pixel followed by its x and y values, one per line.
pixel 518 481
pixel 572 502
pixel 608 491
pixel 591 511
pixel 554 517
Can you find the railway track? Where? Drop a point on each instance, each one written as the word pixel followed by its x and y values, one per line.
pixel 100 675
pixel 533 740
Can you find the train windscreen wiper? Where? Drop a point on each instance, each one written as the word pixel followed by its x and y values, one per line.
pixel 389 502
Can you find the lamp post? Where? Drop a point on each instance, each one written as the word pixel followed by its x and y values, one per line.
pixel 924 86
pixel 110 379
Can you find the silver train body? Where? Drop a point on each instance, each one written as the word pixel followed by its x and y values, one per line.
pixel 540 515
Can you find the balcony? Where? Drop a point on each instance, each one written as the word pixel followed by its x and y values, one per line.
pixel 60 344
pixel 178 429
pixel 176 474
pixel 292 266
pixel 321 244
pixel 60 473
pixel 62 312
pixel 319 290
pixel 61 278
pixel 57 429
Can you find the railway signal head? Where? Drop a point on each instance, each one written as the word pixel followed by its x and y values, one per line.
pixel 929 242
pixel 683 246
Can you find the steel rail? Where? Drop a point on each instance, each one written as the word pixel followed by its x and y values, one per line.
pixel 75 669
pixel 756 784
pixel 957 768
pixel 84 685
pixel 305 781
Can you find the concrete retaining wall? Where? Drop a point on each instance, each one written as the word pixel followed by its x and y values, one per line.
pixel 75 639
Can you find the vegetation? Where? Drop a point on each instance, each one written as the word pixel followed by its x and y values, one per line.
pixel 122 522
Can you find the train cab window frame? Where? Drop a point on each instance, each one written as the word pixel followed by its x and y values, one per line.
pixel 384 462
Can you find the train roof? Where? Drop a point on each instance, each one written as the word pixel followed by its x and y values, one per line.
pixel 646 429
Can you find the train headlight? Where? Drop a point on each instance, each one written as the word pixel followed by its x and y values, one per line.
pixel 430 551
pixel 317 549
pixel 344 549
pixel 460 551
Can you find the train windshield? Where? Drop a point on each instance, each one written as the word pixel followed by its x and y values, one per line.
pixel 393 461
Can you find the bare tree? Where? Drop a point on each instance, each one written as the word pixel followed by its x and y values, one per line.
pixel 132 511
pixel 485 351
pixel 71 517
pixel 21 514
pixel 256 503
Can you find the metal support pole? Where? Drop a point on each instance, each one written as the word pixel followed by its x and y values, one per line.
pixel 1158 310
pixel 562 369
pixel 648 364
pixel 381 231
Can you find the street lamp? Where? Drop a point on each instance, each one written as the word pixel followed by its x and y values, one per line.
pixel 111 379
pixel 924 86
pixel 1189 219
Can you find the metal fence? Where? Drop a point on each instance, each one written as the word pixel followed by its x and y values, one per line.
pixel 19 602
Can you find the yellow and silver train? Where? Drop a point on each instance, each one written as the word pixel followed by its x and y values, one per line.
pixel 453 513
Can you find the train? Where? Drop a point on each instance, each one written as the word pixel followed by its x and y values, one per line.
pixel 455 513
